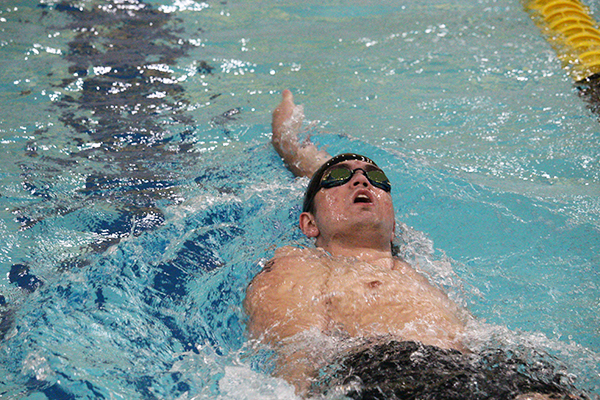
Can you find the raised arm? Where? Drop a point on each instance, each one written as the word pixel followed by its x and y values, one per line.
pixel 303 159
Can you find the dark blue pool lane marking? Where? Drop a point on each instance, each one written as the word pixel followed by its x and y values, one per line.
pixel 19 275
pixel 126 128
pixel 7 318
pixel 137 145
pixel 57 391
pixel 128 131
pixel 196 257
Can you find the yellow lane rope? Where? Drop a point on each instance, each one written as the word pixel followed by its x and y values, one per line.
pixel 573 33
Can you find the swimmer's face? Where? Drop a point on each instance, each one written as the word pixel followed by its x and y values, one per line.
pixel 357 204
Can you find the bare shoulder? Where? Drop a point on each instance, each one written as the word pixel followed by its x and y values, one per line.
pixel 280 298
pixel 301 252
pixel 290 267
pixel 434 292
pixel 287 258
pixel 298 255
pixel 408 270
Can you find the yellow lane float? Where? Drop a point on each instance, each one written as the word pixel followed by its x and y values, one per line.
pixel 573 33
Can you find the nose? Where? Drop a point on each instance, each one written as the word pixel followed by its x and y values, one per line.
pixel 360 179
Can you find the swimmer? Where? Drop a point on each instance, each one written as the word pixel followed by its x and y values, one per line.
pixel 350 288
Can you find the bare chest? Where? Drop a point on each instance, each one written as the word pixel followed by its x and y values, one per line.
pixel 364 299
pixel 354 287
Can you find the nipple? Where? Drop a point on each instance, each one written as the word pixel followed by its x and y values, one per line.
pixel 374 284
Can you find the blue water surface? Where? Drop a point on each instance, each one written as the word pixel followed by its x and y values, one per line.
pixel 140 193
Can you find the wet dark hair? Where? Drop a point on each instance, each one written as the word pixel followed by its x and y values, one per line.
pixel 315 181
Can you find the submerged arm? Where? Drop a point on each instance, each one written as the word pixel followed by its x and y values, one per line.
pixel 282 308
pixel 303 159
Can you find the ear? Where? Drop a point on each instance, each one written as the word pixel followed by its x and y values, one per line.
pixel 308 225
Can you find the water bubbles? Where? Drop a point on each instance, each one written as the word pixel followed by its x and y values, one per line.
pixel 241 382
pixel 37 365
pixel 184 5
pixel 238 67
pixel 100 70
pixel 367 42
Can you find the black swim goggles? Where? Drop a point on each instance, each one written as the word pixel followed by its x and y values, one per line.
pixel 340 175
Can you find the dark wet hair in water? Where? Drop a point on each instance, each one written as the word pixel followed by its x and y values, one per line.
pixel 315 181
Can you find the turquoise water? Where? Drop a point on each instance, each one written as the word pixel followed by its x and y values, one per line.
pixel 140 193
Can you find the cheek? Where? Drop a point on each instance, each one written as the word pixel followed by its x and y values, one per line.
pixel 384 198
pixel 386 201
pixel 330 206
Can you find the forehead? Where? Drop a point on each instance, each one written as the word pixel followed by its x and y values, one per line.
pixel 353 164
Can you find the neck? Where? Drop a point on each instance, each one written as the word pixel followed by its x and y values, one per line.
pixel 363 251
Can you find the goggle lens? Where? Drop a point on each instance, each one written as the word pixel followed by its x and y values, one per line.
pixel 340 175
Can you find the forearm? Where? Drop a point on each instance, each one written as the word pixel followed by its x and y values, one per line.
pixel 303 159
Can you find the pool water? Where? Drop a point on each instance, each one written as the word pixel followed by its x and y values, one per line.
pixel 140 193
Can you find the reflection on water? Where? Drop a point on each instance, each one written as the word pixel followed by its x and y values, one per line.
pixel 118 119
pixel 125 135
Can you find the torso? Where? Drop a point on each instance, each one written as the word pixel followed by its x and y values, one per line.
pixel 304 289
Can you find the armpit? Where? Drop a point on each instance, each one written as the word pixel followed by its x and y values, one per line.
pixel 268 266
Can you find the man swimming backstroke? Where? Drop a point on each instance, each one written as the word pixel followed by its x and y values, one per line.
pixel 350 317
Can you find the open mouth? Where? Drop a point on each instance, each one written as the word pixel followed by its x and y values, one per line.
pixel 362 198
